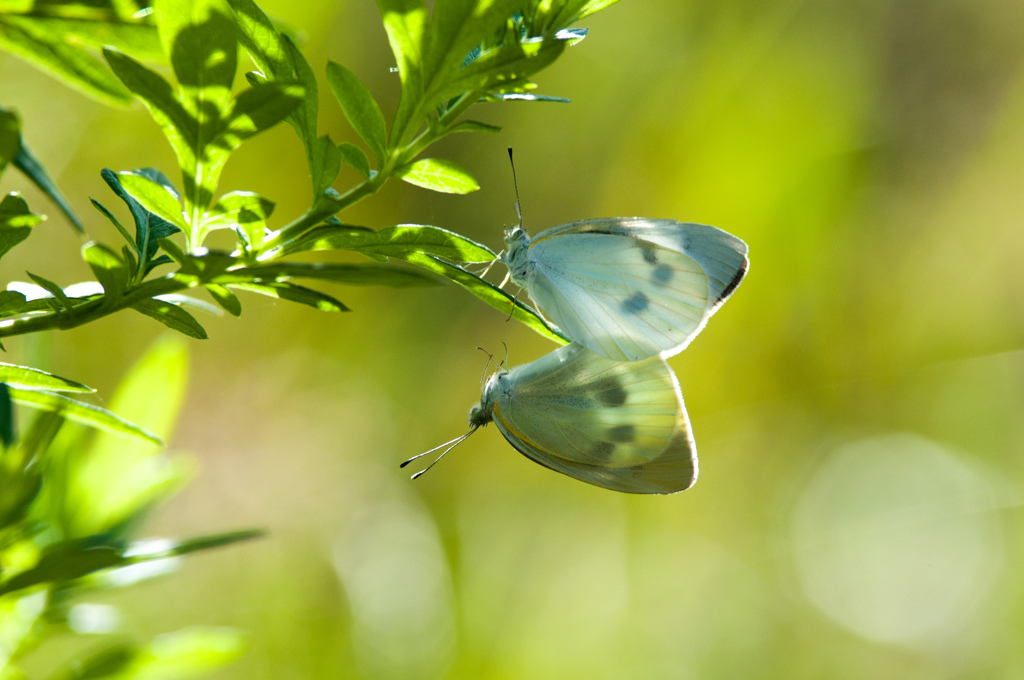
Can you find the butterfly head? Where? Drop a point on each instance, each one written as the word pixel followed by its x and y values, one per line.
pixel 517 243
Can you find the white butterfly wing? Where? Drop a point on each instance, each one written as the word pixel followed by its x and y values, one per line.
pixel 629 288
pixel 621 426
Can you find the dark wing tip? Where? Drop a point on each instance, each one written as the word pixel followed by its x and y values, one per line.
pixel 734 284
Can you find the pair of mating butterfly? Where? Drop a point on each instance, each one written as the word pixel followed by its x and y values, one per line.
pixel 606 409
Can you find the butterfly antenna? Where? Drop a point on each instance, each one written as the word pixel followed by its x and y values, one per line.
pixel 453 443
pixel 519 211
pixel 505 362
pixel 490 358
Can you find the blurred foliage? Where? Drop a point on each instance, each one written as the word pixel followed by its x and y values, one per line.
pixel 857 406
pixel 72 501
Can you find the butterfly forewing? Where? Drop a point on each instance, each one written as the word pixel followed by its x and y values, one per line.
pixel 622 426
pixel 629 288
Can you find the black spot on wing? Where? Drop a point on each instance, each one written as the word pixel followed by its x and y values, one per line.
pixel 610 392
pixel 636 303
pixel 648 252
pixel 734 283
pixel 602 450
pixel 622 433
pixel 662 274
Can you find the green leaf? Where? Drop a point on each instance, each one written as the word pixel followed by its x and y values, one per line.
pixel 10 138
pixel 354 158
pixel 7 437
pixel 16 221
pixel 280 61
pixel 438 175
pixel 326 163
pixel 225 298
pixel 204 56
pixel 107 267
pixel 83 413
pixel 114 479
pixel 259 108
pixel 294 293
pixel 505 64
pixel 51 288
pixel 34 379
pixel 360 108
pixel 399 241
pixel 30 166
pixel 154 196
pixel 243 211
pixel 113 220
pixel 34 42
pixel 473 126
pixel 183 654
pixel 149 226
pixel 405 22
pixel 490 294
pixel 172 316
pixel 349 274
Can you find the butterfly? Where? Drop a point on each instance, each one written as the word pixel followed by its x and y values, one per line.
pixel 617 425
pixel 627 287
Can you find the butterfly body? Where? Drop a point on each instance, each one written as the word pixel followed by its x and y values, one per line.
pixel 621 426
pixel 628 288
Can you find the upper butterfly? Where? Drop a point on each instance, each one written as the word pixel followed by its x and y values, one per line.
pixel 627 287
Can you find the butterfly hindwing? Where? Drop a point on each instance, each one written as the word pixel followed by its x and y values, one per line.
pixel 618 425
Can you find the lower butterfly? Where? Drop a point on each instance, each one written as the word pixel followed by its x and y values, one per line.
pixel 621 426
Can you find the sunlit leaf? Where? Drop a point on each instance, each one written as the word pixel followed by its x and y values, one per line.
pixel 294 293
pixel 399 241
pixel 438 175
pixel 172 316
pixel 26 38
pixel 16 221
pixel 360 108
pixel 83 413
pixel 34 379
pixel 108 268
pixel 348 274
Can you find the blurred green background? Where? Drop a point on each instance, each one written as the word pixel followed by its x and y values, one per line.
pixel 857 404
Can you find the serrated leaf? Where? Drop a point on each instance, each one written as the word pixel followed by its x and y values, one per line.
pixel 34 379
pixel 438 175
pixel 294 293
pixel 172 316
pixel 399 241
pixel 491 294
pixel 359 107
pixel 83 413
pixel 354 158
